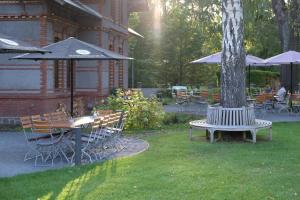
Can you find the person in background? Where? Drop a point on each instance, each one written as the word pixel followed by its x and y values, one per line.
pixel 281 93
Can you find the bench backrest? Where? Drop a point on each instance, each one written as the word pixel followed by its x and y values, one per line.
pixel 244 116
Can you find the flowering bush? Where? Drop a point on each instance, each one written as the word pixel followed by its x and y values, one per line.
pixel 144 113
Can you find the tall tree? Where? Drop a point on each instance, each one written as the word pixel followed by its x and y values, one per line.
pixel 281 11
pixel 233 55
pixel 287 15
pixel 191 29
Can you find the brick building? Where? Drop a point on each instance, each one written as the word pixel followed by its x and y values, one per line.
pixel 29 87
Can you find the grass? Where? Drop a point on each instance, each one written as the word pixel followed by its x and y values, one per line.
pixel 176 168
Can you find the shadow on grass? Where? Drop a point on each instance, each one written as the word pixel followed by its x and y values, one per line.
pixel 69 185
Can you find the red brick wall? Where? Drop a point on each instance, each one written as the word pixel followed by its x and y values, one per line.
pixel 121 68
pixel 19 105
pixel 29 105
pixel 111 68
pixel 43 65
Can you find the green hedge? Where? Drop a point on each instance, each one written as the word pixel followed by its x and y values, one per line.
pixel 259 77
pixel 262 78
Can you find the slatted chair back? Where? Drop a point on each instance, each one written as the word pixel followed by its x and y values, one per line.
pixel 36 117
pixel 204 94
pixel 110 120
pixel 47 116
pixel 105 120
pixel 41 127
pixel 220 116
pixel 260 99
pixel 103 112
pixel 26 122
pixel 268 96
pixel 97 123
pixel 115 118
pixel 216 98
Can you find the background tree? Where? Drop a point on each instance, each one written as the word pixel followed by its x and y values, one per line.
pixel 177 32
pixel 288 20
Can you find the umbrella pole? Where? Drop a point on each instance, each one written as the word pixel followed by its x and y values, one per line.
pixel 72 85
pixel 249 79
pixel 291 88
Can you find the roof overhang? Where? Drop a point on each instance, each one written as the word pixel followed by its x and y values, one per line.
pixel 138 6
pixel 77 5
pixel 133 32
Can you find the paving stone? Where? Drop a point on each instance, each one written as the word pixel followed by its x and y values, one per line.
pixel 13 148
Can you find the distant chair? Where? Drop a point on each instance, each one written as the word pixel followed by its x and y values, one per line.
pixel 49 148
pixel 31 139
pixel 182 99
pixel 201 97
pixel 259 105
pixel 284 105
pixel 216 98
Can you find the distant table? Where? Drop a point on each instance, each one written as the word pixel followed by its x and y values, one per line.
pixel 251 101
pixel 75 125
pixel 295 108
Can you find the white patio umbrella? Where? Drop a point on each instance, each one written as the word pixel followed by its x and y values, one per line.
pixel 8 44
pixel 216 59
pixel 286 58
pixel 72 49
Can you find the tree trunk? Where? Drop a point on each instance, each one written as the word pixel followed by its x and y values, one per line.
pixel 287 34
pixel 281 12
pixel 294 39
pixel 233 55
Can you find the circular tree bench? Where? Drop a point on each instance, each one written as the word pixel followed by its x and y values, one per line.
pixel 231 119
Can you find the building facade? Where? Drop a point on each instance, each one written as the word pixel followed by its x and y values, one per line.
pixel 30 87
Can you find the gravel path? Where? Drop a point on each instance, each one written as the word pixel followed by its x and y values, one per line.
pixel 200 109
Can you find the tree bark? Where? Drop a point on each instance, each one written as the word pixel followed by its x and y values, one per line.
pixel 233 79
pixel 281 12
pixel 287 22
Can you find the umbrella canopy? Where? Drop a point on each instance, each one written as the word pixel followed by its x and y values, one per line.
pixel 285 58
pixel 73 49
pixel 216 59
pixel 9 44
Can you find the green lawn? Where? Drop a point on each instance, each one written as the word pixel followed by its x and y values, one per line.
pixel 176 168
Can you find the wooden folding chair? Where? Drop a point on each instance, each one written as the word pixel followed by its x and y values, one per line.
pixel 33 152
pixel 50 148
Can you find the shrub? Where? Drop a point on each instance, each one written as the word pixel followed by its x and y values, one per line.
pixel 262 78
pixel 144 113
pixel 176 118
